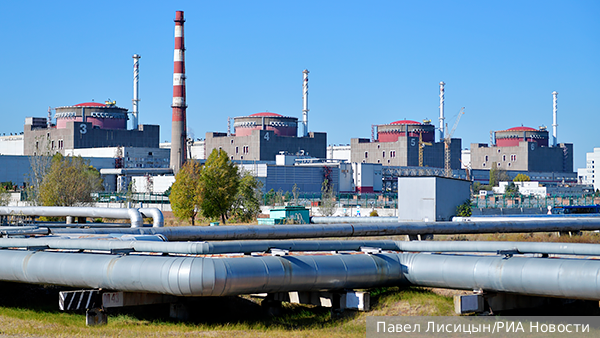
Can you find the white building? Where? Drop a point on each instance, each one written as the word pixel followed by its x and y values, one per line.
pixel 525 188
pixel 587 175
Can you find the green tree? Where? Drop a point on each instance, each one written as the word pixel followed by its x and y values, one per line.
pixel 511 190
pixel 521 178
pixel 219 183
pixel 464 210
pixel 183 196
pixel 69 182
pixel 247 202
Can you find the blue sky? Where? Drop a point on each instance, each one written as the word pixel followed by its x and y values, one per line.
pixel 370 62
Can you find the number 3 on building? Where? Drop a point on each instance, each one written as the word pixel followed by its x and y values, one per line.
pixel 83 128
pixel 267 137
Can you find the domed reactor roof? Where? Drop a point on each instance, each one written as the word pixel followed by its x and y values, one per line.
pixel 513 136
pixel 279 124
pixel 102 115
pixel 391 132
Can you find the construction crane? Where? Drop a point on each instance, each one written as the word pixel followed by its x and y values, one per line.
pixel 448 141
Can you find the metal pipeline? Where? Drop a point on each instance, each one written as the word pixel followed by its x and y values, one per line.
pixel 148 243
pixel 197 276
pixel 132 214
pixel 344 219
pixel 244 232
pixel 158 220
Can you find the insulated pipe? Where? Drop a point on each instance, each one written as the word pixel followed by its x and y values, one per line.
pixel 243 232
pixel 133 214
pixel 348 219
pixel 157 216
pixel 149 244
pixel 196 276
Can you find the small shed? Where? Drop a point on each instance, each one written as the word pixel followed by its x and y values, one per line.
pixel 431 198
pixel 291 214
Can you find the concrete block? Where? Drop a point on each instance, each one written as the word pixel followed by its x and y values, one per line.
pixel 468 303
pixel 94 317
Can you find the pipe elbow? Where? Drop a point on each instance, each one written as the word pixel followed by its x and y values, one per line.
pixel 158 220
pixel 136 218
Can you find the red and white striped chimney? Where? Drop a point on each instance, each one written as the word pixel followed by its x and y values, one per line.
pixel 178 124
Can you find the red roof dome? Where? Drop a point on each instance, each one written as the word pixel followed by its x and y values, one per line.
pixel 406 122
pixel 90 104
pixel 267 114
pixel 521 129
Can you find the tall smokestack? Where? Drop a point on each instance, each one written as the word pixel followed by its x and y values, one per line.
pixel 554 119
pixel 136 99
pixel 442 110
pixel 49 120
pixel 305 103
pixel 178 125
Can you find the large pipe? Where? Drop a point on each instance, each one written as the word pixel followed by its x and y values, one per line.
pixel 132 214
pixel 554 118
pixel 157 216
pixel 149 244
pixel 243 232
pixel 349 219
pixel 196 276
pixel 305 103
pixel 442 111
pixel 178 123
pixel 136 99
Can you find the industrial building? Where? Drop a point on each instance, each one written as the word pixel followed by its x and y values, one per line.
pixel 261 136
pixel 86 125
pixel 397 144
pixel 587 175
pixel 523 149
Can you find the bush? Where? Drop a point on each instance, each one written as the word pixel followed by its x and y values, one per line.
pixel 374 213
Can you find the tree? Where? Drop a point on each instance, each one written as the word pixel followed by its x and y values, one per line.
pixel 184 191
pixel 219 183
pixel 69 181
pixel 464 210
pixel 295 195
pixel 247 202
pixel 511 190
pixel 497 175
pixel 40 165
pixel 521 178
pixel 327 199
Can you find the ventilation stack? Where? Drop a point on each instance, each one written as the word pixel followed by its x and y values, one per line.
pixel 442 111
pixel 305 103
pixel 178 124
pixel 554 119
pixel 136 99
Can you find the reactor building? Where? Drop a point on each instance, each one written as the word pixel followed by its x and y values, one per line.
pixel 525 149
pixel 262 136
pixel 398 143
pixel 86 125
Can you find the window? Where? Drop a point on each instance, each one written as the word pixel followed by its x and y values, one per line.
pixel 366 154
pixel 392 153
pixel 383 154
pixel 503 158
pixel 513 157
pixel 499 164
pixel 486 158
pixel 236 150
